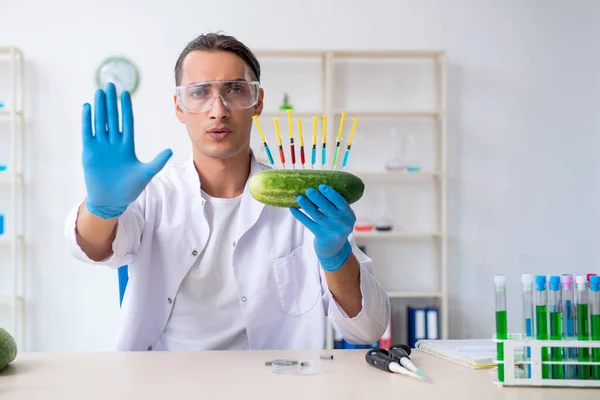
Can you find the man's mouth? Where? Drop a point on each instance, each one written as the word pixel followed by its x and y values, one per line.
pixel 219 133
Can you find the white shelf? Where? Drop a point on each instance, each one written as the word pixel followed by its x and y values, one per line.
pixel 11 116
pixel 434 117
pixel 388 113
pixel 394 175
pixel 8 114
pixel 415 295
pixel 295 114
pixel 7 177
pixel 9 299
pixel 352 113
pixel 388 54
pixel 394 235
pixel 9 50
pixel 349 53
pixel 6 240
pixel 289 54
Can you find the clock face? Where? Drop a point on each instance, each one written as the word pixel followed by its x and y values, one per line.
pixel 119 71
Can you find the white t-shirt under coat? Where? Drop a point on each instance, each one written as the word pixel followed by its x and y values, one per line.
pixel 206 312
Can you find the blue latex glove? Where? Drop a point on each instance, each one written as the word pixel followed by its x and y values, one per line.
pixel 114 177
pixel 330 218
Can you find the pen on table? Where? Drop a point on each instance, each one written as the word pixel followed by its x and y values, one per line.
pixel 401 353
pixel 380 358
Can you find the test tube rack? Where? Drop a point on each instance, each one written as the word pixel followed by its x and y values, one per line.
pixel 513 376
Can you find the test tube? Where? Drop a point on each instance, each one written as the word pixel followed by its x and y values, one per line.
pixel 555 325
pixel 541 319
pixel 583 331
pixel 568 315
pixel 501 321
pixel 527 285
pixel 595 302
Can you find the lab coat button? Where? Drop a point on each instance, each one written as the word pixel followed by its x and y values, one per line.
pixel 244 299
pixel 149 348
pixel 195 253
pixel 170 300
pixel 234 243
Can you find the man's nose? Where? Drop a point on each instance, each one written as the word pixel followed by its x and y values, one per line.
pixel 218 109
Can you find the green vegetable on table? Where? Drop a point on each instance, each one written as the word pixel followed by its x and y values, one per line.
pixel 8 348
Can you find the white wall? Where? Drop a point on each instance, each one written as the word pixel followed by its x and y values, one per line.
pixel 523 90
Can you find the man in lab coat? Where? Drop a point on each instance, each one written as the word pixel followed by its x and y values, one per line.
pixel 209 266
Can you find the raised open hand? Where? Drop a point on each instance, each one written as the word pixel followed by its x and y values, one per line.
pixel 114 177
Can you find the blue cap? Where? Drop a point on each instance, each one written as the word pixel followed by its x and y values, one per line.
pixel 540 282
pixel 595 283
pixel 555 282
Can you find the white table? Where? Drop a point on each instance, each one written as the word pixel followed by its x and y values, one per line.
pixel 243 375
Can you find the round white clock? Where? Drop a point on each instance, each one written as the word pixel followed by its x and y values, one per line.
pixel 120 71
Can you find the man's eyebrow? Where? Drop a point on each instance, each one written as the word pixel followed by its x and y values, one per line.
pixel 224 80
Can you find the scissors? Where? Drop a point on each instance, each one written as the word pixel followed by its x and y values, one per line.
pixel 396 360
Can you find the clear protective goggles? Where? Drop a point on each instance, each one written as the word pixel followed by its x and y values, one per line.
pixel 235 95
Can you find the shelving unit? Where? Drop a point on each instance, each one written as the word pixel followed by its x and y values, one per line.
pixel 12 191
pixel 317 81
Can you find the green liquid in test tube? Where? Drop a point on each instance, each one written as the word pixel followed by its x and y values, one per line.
pixel 541 320
pixel 555 326
pixel 568 314
pixel 527 285
pixel 501 320
pixel 583 329
pixel 595 302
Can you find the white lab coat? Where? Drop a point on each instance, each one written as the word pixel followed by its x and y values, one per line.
pixel 282 289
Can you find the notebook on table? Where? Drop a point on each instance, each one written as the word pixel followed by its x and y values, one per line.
pixel 472 353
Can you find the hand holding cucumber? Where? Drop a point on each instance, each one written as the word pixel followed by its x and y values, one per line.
pixel 330 218
pixel 328 213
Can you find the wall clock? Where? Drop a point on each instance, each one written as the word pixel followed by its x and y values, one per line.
pixel 120 71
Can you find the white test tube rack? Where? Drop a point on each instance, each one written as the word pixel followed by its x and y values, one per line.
pixel 517 342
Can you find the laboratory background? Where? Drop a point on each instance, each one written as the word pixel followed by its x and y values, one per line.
pixel 477 139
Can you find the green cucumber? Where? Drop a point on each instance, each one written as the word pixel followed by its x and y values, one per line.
pixel 8 348
pixel 280 187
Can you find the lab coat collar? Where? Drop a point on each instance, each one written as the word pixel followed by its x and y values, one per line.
pixel 192 178
pixel 250 208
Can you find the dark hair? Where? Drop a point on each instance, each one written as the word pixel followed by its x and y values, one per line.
pixel 215 42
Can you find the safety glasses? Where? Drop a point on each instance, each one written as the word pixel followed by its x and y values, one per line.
pixel 235 95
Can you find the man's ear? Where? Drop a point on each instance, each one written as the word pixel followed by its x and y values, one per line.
pixel 178 111
pixel 258 108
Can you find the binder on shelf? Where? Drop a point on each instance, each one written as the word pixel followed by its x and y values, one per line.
pixel 432 323
pixel 417 325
